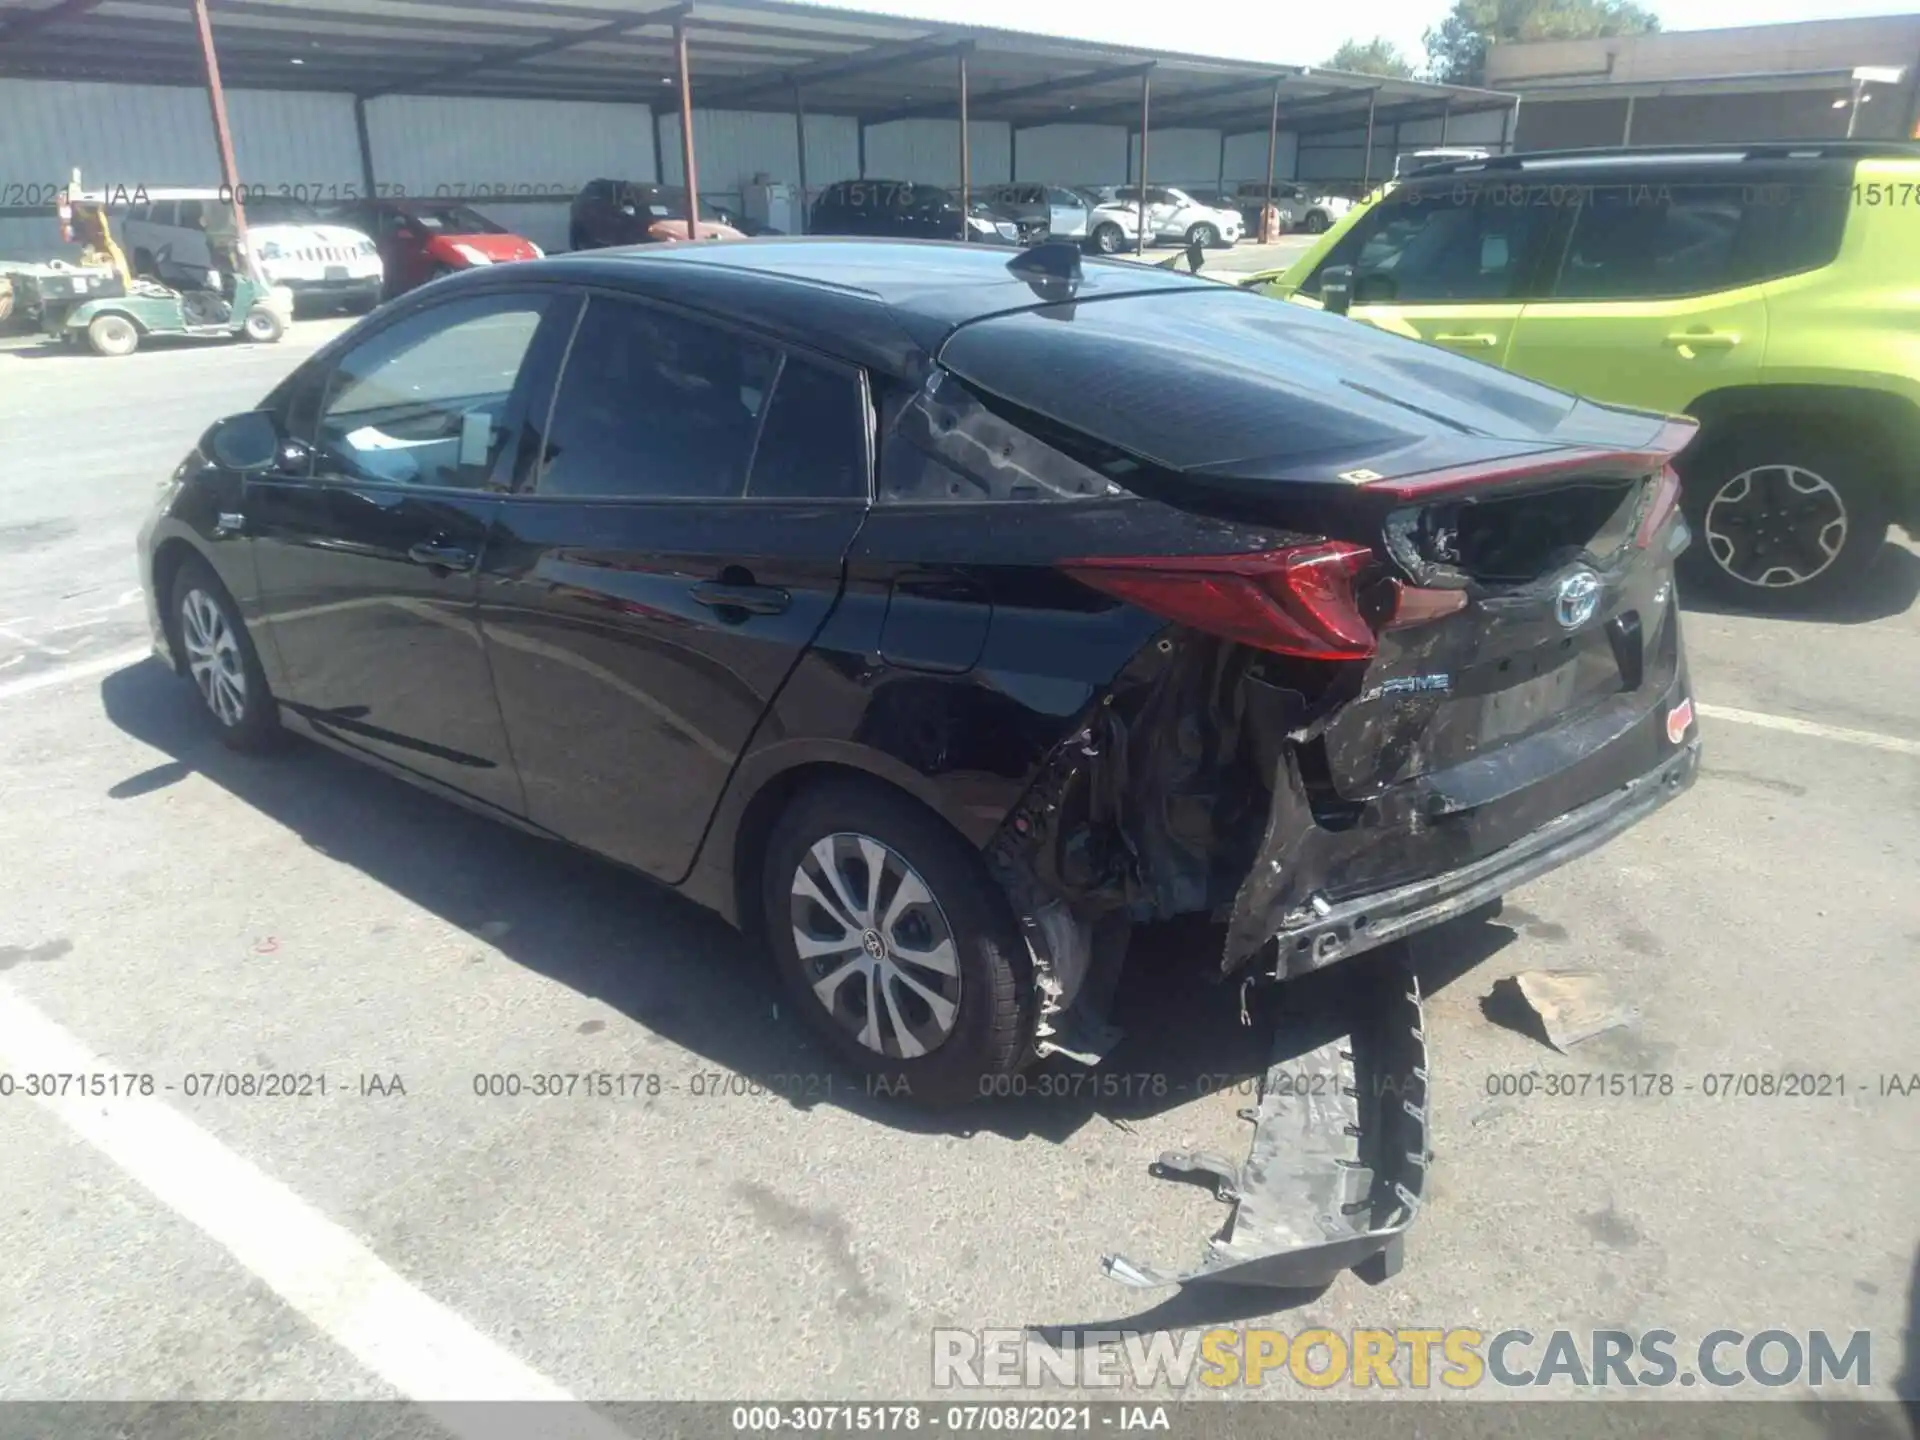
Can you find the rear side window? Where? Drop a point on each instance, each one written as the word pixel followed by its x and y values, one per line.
pixel 653 405
pixel 944 443
pixel 1658 241
pixel 1440 244
pixel 813 443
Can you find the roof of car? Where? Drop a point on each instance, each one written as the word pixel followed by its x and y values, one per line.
pixel 1626 155
pixel 884 304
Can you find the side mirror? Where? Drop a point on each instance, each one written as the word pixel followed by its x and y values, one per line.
pixel 1336 289
pixel 246 443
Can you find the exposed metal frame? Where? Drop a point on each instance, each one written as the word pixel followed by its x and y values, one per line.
pixel 551 49
pixel 988 98
pixel 552 45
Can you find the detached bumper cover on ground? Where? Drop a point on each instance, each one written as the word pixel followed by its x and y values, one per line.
pixel 1338 1166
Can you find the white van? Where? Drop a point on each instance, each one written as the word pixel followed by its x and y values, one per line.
pixel 165 235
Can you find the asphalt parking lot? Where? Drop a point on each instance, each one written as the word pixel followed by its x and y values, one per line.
pixel 754 1225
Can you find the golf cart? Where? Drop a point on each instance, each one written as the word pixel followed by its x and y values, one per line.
pixel 227 298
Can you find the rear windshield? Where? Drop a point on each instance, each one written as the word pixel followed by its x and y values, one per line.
pixel 1212 377
pixel 889 195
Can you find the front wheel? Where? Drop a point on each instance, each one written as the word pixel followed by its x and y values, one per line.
pixel 1783 516
pixel 1317 222
pixel 895 942
pixel 220 659
pixel 1108 238
pixel 1203 235
pixel 264 326
pixel 112 335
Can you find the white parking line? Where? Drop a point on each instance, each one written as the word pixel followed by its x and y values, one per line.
pixel 61 674
pixel 404 1336
pixel 1812 729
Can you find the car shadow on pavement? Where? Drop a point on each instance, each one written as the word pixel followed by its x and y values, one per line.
pixel 686 975
pixel 1887 587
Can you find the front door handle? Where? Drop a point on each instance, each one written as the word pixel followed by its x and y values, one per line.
pixel 1477 341
pixel 1703 340
pixel 435 556
pixel 754 599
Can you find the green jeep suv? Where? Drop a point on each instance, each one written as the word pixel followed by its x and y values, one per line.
pixel 1770 291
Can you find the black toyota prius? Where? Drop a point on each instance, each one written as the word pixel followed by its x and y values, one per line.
pixel 939 615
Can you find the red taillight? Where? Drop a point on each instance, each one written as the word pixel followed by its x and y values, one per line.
pixel 1666 496
pixel 1297 601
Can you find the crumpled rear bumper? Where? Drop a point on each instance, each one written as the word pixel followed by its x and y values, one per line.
pixel 1368 921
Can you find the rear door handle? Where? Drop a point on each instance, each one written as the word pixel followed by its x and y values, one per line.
pixel 1478 341
pixel 754 599
pixel 440 557
pixel 1703 340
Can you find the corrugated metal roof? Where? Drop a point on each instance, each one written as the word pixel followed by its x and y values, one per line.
pixel 746 55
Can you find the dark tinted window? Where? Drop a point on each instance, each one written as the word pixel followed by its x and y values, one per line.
pixel 1652 240
pixel 653 405
pixel 814 442
pixel 424 401
pixel 1440 244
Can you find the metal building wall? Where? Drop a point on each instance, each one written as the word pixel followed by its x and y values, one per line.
pixel 730 147
pixel 133 135
pixel 928 151
pixel 1180 157
pixel 1072 154
pixel 1247 157
pixel 1339 156
pixel 493 150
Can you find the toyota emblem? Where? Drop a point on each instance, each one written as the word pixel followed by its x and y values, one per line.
pixel 1579 597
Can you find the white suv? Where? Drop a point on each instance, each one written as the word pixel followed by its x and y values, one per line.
pixel 165 236
pixel 1175 215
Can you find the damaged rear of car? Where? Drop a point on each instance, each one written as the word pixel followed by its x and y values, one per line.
pixel 1407 637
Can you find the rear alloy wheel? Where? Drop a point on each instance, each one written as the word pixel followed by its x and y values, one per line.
pixel 1203 235
pixel 112 335
pixel 895 942
pixel 1108 238
pixel 1782 519
pixel 1316 222
pixel 220 660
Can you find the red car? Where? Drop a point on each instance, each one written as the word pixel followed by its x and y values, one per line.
pixel 421 240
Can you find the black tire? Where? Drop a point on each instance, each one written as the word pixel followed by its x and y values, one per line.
pixel 1743 498
pixel 143 262
pixel 992 1024
pixel 575 239
pixel 1203 235
pixel 1108 238
pixel 1316 222
pixel 255 723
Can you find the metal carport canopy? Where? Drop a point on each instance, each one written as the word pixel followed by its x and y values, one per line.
pixel 745 54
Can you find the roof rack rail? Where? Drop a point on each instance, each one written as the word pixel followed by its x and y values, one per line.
pixel 1753 150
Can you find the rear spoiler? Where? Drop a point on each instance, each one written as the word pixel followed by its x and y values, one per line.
pixel 1673 437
